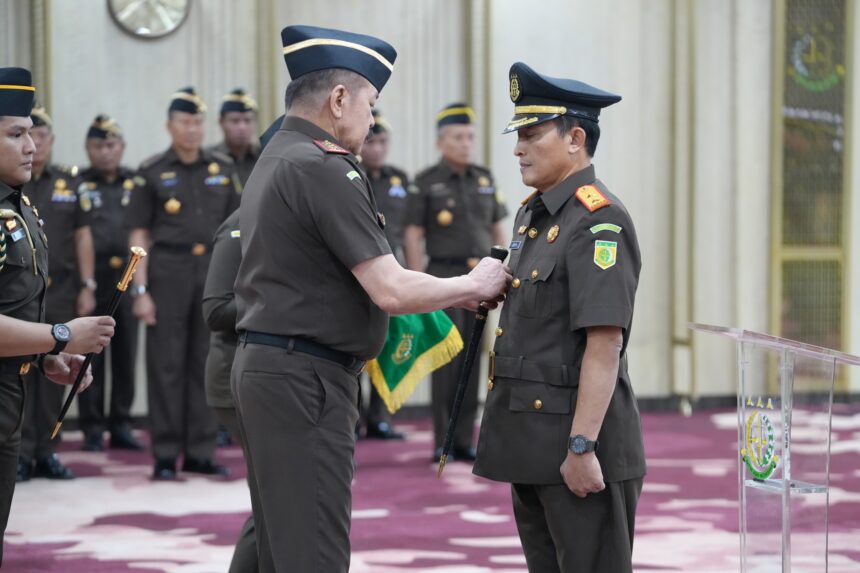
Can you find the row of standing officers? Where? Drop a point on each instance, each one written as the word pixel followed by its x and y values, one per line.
pixel 173 203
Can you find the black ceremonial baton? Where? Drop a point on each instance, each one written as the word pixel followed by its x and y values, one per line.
pixel 501 254
pixel 137 253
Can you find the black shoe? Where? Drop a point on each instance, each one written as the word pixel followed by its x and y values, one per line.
pixel 25 471
pixel 205 467
pixel 51 468
pixel 437 456
pixel 164 470
pixel 465 454
pixel 384 431
pixel 223 438
pixel 124 440
pixel 93 442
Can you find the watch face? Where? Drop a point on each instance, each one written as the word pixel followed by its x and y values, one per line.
pixel 62 332
pixel 579 444
pixel 149 18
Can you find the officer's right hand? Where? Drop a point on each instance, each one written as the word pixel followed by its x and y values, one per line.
pixel 90 334
pixel 491 278
pixel 144 309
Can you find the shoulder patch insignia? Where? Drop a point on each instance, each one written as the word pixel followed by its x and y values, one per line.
pixel 605 227
pixel 592 198
pixel 330 147
pixel 353 175
pixel 236 234
pixel 605 254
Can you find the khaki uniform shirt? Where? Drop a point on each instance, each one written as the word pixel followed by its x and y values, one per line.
pixel 573 269
pixel 183 204
pixel 64 211
pixel 308 217
pixel 245 165
pixel 457 211
pixel 219 310
pixel 109 202
pixel 24 270
pixel 389 190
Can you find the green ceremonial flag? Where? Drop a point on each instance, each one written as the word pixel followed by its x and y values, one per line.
pixel 417 344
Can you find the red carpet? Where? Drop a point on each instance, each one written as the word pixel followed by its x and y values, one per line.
pixel 114 519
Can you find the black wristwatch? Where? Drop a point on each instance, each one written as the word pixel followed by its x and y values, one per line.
pixel 62 334
pixel 579 445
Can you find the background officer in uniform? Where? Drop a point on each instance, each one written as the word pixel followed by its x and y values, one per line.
pixel 561 423
pixel 314 309
pixel 219 310
pixel 389 189
pixel 455 208
pixel 109 186
pixel 23 275
pixel 187 193
pixel 71 290
pixel 238 121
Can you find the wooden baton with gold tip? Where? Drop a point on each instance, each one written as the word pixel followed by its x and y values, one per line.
pixel 137 253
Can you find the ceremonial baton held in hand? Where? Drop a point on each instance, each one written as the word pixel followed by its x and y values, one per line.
pixel 137 253
pixel 501 254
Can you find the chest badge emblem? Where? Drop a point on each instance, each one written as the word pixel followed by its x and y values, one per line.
pixel 445 218
pixel 172 206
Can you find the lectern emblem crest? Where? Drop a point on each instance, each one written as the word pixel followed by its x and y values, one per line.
pixel 759 442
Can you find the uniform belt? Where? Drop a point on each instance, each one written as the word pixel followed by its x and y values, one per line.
pixel 470 262
pixel 196 249
pixel 16 367
pixel 518 368
pixel 304 346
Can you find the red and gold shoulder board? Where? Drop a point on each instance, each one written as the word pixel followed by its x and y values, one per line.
pixel 330 147
pixel 592 198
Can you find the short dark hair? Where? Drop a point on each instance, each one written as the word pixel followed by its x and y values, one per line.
pixel 592 131
pixel 306 89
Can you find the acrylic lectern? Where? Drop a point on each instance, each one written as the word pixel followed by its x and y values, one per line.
pixel 785 399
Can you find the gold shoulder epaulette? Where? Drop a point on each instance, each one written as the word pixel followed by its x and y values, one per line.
pixel 592 198
pixel 330 147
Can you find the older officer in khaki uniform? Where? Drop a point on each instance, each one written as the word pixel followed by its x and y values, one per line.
pixel 187 193
pixel 23 278
pixel 561 423
pixel 108 186
pixel 71 290
pixel 455 207
pixel 389 186
pixel 238 121
pixel 313 310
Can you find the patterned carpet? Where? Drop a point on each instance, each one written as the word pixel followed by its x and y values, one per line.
pixel 114 519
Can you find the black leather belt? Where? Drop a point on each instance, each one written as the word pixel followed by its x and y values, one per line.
pixel 196 249
pixel 16 367
pixel 304 346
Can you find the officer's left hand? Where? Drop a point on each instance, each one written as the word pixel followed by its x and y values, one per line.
pixel 63 369
pixel 86 303
pixel 582 474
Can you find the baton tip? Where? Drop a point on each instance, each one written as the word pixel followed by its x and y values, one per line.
pixel 56 430
pixel 442 461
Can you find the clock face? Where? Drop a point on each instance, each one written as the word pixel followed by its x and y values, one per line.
pixel 149 18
